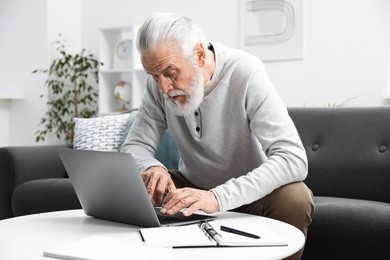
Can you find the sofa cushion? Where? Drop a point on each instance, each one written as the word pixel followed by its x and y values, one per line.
pixel 108 133
pixel 129 123
pixel 100 133
pixel 359 227
pixel 167 152
pixel 43 196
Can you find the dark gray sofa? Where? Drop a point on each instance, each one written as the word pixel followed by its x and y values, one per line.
pixel 349 174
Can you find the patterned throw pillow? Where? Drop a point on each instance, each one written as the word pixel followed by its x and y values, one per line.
pixel 100 133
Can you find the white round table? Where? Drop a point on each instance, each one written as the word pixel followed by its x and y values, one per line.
pixel 28 236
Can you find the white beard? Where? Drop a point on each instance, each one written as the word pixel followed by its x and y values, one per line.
pixel 193 98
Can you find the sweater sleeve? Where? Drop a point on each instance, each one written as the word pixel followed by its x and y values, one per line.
pixel 273 128
pixel 147 129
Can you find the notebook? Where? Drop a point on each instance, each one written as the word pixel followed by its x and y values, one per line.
pixel 211 234
pixel 109 186
pixel 103 248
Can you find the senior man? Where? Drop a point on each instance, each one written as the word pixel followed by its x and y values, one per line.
pixel 239 149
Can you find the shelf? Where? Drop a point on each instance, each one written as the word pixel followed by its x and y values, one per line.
pixel 109 38
pixel 112 72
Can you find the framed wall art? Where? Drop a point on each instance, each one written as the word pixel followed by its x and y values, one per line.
pixel 271 29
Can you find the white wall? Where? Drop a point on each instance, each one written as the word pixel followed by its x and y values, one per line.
pixel 63 22
pixel 23 48
pixel 4 119
pixel 346 54
pixel 346 48
pixel 346 45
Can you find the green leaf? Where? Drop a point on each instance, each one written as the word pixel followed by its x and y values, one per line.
pixel 72 80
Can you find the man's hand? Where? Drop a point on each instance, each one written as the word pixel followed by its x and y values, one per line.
pixel 158 183
pixel 191 199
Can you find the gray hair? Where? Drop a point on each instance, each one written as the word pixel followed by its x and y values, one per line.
pixel 164 27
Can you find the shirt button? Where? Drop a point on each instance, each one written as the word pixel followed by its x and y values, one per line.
pixel 196 113
pixel 382 148
pixel 315 147
pixel 197 129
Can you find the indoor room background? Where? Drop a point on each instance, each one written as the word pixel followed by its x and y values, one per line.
pixel 345 50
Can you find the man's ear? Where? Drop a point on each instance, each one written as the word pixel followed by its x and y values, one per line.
pixel 200 54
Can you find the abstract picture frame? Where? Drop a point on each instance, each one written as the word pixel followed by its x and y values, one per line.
pixel 271 29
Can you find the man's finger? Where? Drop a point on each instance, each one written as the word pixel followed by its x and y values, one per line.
pixel 191 209
pixel 150 184
pixel 163 185
pixel 159 192
pixel 177 200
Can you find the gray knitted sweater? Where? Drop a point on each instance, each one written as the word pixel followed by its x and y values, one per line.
pixel 240 143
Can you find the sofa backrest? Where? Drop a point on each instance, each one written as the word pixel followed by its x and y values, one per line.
pixel 348 150
pixel 24 163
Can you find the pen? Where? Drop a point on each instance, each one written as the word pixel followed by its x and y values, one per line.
pixel 238 232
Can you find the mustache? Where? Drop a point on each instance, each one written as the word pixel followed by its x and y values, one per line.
pixel 174 93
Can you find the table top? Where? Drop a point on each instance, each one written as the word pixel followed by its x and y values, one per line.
pixel 28 236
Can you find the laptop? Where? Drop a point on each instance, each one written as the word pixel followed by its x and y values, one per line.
pixel 109 186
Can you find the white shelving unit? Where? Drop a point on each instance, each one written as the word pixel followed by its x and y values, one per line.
pixel 110 76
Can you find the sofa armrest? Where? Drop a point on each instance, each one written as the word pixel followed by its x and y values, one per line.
pixel 20 164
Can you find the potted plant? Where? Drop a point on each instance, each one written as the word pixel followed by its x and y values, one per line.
pixel 71 83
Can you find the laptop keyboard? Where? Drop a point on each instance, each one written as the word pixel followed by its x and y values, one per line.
pixel 178 217
pixel 169 219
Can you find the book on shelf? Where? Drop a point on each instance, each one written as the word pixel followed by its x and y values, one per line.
pixel 215 233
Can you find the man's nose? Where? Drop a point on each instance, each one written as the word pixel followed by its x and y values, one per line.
pixel 165 84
